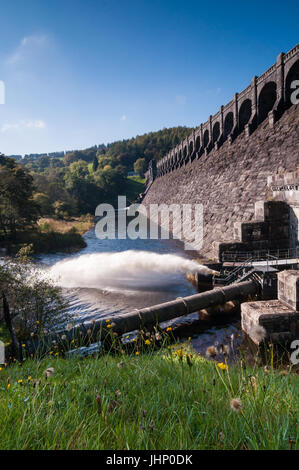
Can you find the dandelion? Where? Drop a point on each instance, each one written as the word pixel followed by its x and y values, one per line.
pixel 108 320
pixel 211 351
pixel 109 326
pixel 137 353
pixel 37 322
pixel 222 366
pixel 57 354
pixel 236 404
pixel 29 378
pixel 147 341
pixel 253 382
pixel 169 328
pixel 180 353
pixel 48 372
pixel 258 332
pixel 20 381
pixel 224 349
pixel 23 345
pixel 0 369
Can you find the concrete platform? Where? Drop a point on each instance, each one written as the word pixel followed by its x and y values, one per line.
pixel 271 320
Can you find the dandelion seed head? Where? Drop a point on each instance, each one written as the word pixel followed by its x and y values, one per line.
pixel 236 404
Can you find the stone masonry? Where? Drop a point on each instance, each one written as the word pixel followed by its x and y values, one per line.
pixel 229 181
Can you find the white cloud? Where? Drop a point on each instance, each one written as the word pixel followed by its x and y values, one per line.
pixel 123 118
pixel 27 46
pixel 23 125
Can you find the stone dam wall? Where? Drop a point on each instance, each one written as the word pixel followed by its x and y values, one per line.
pixel 229 180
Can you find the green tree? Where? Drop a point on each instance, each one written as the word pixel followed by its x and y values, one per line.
pixel 140 166
pixel 18 210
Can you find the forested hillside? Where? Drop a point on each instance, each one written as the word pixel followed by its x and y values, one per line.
pixel 76 182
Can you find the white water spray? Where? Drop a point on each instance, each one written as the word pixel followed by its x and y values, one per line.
pixel 127 270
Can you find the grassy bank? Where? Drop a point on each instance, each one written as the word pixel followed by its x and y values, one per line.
pixel 134 186
pixel 52 235
pixel 164 400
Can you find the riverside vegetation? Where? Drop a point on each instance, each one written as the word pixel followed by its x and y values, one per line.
pixel 145 393
pixel 149 394
pixel 172 398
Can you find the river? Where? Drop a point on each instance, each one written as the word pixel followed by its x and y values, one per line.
pixel 109 277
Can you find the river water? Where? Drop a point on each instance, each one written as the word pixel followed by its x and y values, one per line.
pixel 111 277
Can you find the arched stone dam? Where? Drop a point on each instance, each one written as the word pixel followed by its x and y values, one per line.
pixel 230 163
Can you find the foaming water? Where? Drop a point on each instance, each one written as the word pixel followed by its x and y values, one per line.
pixel 127 271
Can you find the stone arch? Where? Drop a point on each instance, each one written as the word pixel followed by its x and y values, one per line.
pixel 266 100
pixel 244 113
pixel 216 131
pixel 228 123
pixel 197 144
pixel 292 75
pixel 206 138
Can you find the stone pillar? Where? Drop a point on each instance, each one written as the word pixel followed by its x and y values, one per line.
pixel 254 107
pixel 211 131
pixel 201 136
pixel 281 98
pixel 236 114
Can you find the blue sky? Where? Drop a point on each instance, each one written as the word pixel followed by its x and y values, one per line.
pixel 79 73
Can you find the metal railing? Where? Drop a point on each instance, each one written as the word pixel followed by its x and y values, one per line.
pixel 235 274
pixel 260 255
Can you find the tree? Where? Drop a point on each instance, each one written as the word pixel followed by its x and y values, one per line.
pixel 140 166
pixel 34 300
pixel 18 210
pixel 95 164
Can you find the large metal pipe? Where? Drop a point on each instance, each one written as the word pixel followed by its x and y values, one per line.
pixel 146 317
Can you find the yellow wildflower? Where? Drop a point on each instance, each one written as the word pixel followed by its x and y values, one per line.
pixel 222 366
pixel 20 381
pixel 169 328
pixel 180 353
pixel 137 353
pixel 8 386
pixel 29 378
pixel 147 341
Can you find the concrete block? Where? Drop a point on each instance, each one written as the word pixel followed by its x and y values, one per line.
pixel 288 288
pixel 270 320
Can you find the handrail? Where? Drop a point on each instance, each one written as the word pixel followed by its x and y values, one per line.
pixel 233 275
pixel 261 255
